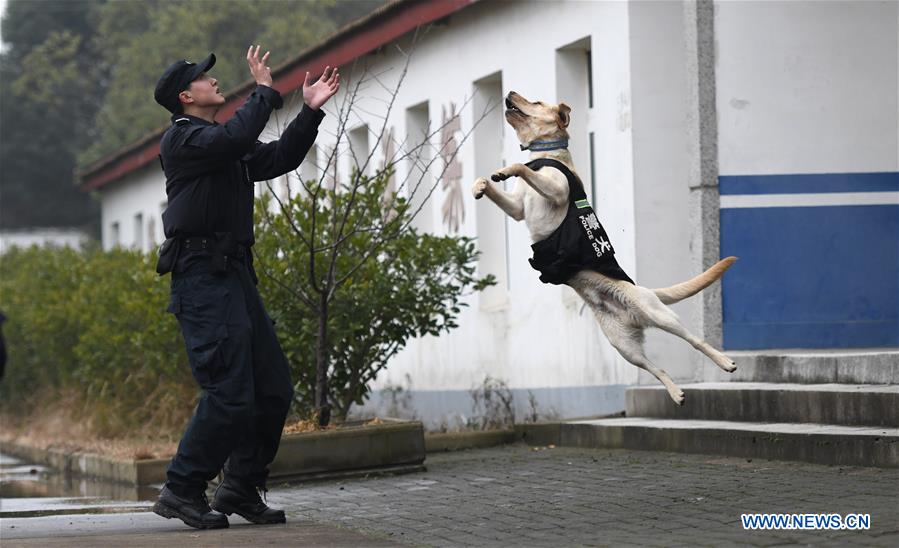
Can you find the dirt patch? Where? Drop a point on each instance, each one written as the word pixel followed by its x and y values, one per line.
pixel 309 425
pixel 58 429
pixel 59 432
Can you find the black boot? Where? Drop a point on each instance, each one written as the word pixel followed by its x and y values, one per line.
pixel 193 511
pixel 235 497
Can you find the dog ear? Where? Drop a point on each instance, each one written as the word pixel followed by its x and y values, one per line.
pixel 564 117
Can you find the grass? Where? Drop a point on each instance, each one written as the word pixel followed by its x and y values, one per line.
pixel 56 430
pixel 62 426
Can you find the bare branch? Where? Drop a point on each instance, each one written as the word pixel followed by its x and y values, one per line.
pixel 378 242
pixel 339 234
pixel 296 293
pixel 288 216
pixel 421 163
pixel 447 163
pixel 274 232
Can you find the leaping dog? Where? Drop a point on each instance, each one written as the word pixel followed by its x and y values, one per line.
pixel 572 248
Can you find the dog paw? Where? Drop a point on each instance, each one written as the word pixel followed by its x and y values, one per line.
pixel 722 361
pixel 726 364
pixel 511 170
pixel 677 396
pixel 499 176
pixel 479 188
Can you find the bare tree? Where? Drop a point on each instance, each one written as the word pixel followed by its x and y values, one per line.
pixel 333 201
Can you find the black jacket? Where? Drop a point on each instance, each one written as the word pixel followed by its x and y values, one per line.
pixel 579 243
pixel 210 168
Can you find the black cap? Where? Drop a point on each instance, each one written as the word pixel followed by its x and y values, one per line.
pixel 177 78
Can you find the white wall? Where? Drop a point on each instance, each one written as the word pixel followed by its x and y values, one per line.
pixel 807 87
pixel 539 338
pixel 661 173
pixel 141 192
pixel 42 237
pixel 490 222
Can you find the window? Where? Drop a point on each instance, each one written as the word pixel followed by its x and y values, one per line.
pixel 574 87
pixel 589 60
pixel 114 235
pixel 139 231
pixel 492 229
pixel 151 232
pixel 359 150
pixel 418 182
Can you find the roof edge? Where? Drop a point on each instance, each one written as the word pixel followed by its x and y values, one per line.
pixel 383 25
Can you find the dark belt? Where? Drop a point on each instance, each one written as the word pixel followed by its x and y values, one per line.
pixel 197 243
pixel 208 243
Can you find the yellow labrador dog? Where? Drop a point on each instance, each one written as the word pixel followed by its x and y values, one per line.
pixel 572 248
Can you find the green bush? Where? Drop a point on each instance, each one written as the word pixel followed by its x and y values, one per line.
pixel 387 284
pixel 37 295
pixel 93 324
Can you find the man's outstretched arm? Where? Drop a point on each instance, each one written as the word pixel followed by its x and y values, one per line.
pixel 276 158
pixel 238 136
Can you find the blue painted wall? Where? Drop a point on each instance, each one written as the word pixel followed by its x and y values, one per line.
pixel 811 276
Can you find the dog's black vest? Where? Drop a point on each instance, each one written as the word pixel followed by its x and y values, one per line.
pixel 579 243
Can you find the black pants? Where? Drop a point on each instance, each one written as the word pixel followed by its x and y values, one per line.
pixel 237 360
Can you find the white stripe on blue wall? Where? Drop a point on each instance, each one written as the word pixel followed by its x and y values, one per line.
pixel 810 200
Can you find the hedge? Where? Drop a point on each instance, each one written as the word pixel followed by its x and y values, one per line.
pixel 93 324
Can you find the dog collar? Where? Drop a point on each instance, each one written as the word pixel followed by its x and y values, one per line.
pixel 542 146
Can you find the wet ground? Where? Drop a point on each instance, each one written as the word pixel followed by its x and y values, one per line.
pixel 40 507
pixel 512 496
pixel 30 490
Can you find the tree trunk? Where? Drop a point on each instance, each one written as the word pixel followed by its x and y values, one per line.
pixel 322 407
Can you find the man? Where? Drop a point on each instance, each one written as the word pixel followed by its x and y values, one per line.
pixel 232 348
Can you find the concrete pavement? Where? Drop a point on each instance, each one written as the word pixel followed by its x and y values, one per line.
pixel 148 530
pixel 517 496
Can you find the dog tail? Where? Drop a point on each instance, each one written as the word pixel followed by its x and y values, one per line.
pixel 689 288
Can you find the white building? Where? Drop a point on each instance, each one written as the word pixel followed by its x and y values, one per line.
pixel 42 237
pixel 766 130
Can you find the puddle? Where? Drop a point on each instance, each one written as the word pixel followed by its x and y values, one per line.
pixel 28 490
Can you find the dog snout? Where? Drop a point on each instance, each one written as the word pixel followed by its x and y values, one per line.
pixel 510 101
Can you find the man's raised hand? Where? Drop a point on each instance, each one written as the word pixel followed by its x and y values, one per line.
pixel 317 94
pixel 258 68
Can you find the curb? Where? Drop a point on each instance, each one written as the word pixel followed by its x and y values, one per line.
pixel 136 472
pixel 392 445
pixel 783 442
pixel 393 448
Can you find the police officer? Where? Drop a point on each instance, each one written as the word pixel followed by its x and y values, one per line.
pixel 234 354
